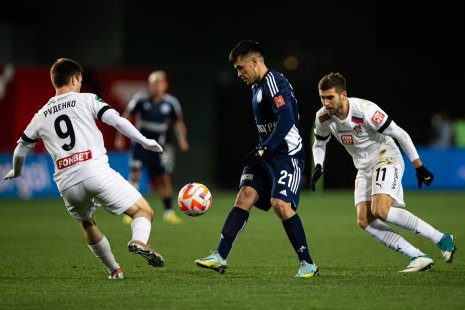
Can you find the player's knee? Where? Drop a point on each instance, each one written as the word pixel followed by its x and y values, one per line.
pixel 379 211
pixel 282 209
pixel 88 224
pixel 246 198
pixel 140 209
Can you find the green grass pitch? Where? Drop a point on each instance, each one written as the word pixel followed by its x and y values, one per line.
pixel 45 264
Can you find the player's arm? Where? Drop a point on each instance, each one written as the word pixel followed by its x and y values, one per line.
pixel 406 143
pixel 124 126
pixel 19 156
pixel 283 126
pixel 180 131
pixel 319 152
pixel 119 138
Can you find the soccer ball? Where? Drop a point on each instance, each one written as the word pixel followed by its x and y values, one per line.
pixel 194 199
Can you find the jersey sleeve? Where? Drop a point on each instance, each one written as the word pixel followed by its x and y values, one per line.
pixel 378 120
pixel 176 106
pixel 321 130
pixel 98 106
pixel 173 114
pixel 280 92
pixel 31 133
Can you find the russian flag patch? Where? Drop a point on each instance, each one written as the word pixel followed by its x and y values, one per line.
pixel 358 120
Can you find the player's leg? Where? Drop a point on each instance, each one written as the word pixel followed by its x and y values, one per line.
pixel 285 181
pixel 165 190
pixel 295 232
pixel 117 197
pixel 100 246
pixel 235 221
pixel 377 228
pixel 141 225
pixel 82 207
pixel 163 185
pixel 388 192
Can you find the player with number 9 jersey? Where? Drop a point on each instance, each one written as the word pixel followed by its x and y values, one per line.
pixel 70 135
pixel 66 124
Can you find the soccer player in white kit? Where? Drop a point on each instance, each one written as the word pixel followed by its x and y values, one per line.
pixel 66 124
pixel 367 133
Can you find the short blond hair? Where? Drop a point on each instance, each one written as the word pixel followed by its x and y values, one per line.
pixel 157 75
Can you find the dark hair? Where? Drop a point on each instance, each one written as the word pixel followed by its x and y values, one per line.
pixel 333 80
pixel 243 48
pixel 62 71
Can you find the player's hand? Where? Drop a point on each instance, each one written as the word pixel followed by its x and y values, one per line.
pixel 10 175
pixel 317 172
pixel 153 146
pixel 253 156
pixel 424 176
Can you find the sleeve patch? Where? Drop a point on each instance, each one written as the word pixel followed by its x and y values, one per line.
pixel 377 118
pixel 279 101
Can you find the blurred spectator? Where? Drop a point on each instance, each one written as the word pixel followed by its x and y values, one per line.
pixel 459 131
pixel 442 130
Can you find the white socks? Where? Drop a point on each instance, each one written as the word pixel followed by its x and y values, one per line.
pixel 391 239
pixel 407 220
pixel 102 251
pixel 141 227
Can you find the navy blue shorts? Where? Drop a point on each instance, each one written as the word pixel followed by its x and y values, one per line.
pixel 274 178
pixel 141 158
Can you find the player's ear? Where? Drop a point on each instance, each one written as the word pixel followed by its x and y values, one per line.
pixel 254 61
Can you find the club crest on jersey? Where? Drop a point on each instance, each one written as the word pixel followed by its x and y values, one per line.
pixel 259 95
pixel 279 101
pixel 377 118
pixel 324 118
pixel 99 99
pixel 347 139
pixel 358 129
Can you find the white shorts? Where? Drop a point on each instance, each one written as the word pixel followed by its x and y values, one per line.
pixel 386 178
pixel 110 189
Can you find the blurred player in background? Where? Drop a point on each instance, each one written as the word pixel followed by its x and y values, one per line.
pixel 66 124
pixel 368 134
pixel 155 114
pixel 272 174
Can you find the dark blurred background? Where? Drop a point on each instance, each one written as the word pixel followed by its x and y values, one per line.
pixel 406 57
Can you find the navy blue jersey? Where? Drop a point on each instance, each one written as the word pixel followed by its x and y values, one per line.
pixel 154 118
pixel 277 116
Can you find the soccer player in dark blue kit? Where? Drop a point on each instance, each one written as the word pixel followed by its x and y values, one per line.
pixel 155 112
pixel 272 174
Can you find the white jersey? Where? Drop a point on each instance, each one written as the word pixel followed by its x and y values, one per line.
pixel 360 132
pixel 66 124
